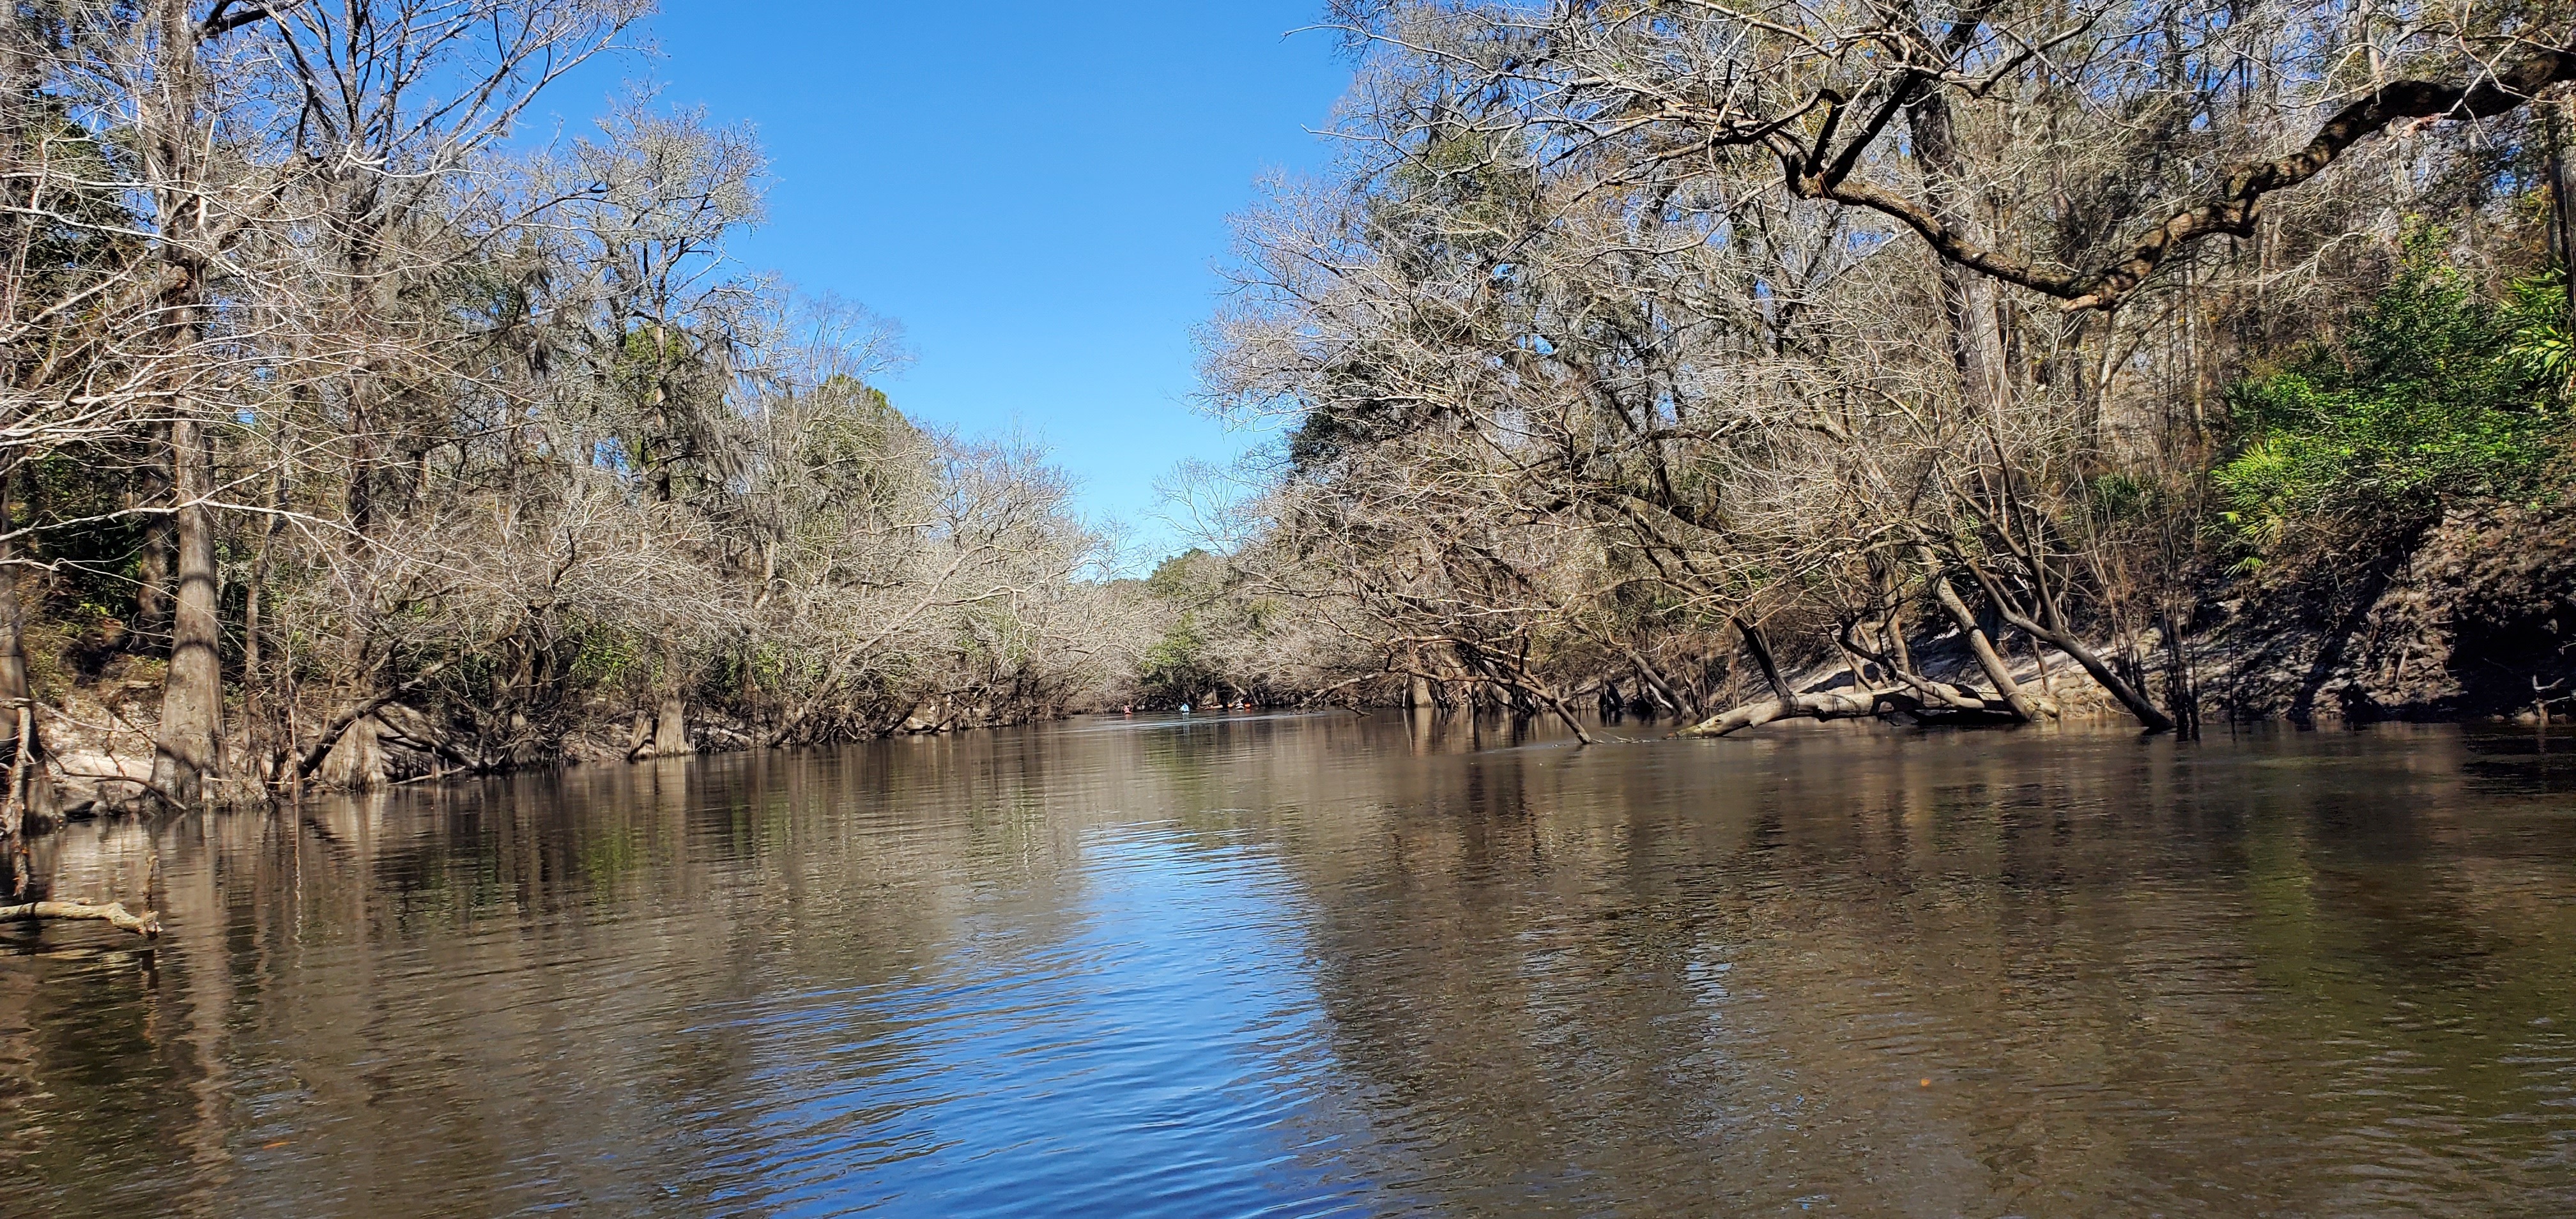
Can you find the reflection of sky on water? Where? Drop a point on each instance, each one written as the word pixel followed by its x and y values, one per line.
pixel 1321 964
pixel 1115 1057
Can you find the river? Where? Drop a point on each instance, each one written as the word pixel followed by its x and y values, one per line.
pixel 1337 965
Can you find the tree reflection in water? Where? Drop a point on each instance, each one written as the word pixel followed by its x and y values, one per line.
pixel 1326 964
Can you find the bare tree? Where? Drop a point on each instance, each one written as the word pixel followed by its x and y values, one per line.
pixel 1655 338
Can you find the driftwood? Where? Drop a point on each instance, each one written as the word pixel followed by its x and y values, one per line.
pixel 156 791
pixel 114 914
pixel 1889 702
pixel 1840 705
pixel 1918 698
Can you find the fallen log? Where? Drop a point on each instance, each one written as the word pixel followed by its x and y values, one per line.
pixel 1893 702
pixel 1919 699
pixel 114 914
pixel 1815 706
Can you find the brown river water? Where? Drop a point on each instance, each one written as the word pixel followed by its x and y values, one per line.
pixel 1335 965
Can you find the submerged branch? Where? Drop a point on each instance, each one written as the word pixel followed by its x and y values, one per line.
pixel 114 914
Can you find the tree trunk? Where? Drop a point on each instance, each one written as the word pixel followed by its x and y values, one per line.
pixel 1856 703
pixel 1968 306
pixel 2562 217
pixel 29 795
pixel 174 128
pixel 1983 648
pixel 2054 631
pixel 13 626
pixel 355 759
pixel 1659 689
pixel 192 694
pixel 2182 685
pixel 1968 298
pixel 1835 705
pixel 671 730
pixel 152 575
pixel 2100 671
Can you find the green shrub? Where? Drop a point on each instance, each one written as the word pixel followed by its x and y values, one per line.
pixel 2438 394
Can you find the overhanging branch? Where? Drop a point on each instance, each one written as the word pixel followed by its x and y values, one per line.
pixel 2230 210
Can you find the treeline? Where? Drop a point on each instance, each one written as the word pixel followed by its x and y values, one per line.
pixel 1963 362
pixel 1966 362
pixel 347 438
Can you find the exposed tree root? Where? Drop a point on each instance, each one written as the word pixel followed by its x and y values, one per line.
pixel 146 924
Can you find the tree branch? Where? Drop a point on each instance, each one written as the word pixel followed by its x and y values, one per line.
pixel 225 19
pixel 2232 209
pixel 146 924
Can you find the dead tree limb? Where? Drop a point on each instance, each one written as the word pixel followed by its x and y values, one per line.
pixel 168 798
pixel 1785 702
pixel 2149 715
pixel 1950 704
pixel 1979 645
pixel 340 724
pixel 1944 694
pixel 1514 677
pixel 114 914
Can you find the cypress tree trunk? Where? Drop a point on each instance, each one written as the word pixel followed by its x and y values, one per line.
pixel 152 586
pixel 29 795
pixel 1968 303
pixel 671 729
pixel 192 694
pixel 192 691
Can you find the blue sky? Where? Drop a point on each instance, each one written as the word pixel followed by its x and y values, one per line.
pixel 1038 192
